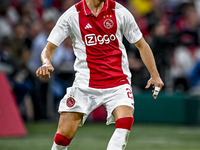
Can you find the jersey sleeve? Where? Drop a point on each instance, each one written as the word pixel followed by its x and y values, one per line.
pixel 60 31
pixel 131 30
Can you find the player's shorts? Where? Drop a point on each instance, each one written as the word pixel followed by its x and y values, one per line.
pixel 85 100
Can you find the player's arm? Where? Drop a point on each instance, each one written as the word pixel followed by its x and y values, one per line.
pixel 149 61
pixel 46 57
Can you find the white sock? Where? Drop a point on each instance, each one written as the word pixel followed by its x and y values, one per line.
pixel 119 139
pixel 58 147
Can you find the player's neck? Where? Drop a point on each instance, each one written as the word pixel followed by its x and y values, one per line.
pixel 95 6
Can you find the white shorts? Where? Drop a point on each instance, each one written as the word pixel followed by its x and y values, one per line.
pixel 85 100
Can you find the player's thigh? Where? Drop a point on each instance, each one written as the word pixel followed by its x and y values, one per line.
pixel 119 103
pixel 68 123
pixel 122 112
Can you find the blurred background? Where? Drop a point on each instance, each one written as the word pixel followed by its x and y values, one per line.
pixel 171 27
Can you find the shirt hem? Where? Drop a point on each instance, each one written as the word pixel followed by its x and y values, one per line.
pixel 109 86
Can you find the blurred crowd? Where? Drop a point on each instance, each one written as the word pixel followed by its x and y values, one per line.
pixel 171 27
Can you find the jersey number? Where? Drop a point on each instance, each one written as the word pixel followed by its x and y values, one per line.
pixel 129 93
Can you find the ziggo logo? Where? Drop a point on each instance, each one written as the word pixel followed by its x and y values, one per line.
pixel 92 39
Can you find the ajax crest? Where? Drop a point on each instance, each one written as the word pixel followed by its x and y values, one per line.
pixel 108 23
pixel 70 102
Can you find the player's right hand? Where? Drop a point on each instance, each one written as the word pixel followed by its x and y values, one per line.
pixel 44 71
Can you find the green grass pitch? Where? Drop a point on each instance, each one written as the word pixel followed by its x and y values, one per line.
pixel 95 136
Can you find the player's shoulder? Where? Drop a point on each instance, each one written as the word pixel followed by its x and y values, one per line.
pixel 121 10
pixel 117 5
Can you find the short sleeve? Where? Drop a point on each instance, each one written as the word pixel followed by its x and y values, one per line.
pixel 131 30
pixel 60 31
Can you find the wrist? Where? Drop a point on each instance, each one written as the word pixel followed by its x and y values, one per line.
pixel 46 62
pixel 155 75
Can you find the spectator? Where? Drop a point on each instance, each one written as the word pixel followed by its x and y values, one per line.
pixel 39 39
pixel 162 47
pixel 49 18
pixel 184 57
pixel 8 17
pixel 194 75
pixel 15 52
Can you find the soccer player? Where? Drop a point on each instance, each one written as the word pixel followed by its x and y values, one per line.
pixel 96 28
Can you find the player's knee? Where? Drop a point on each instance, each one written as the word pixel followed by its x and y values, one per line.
pixel 125 123
pixel 62 140
pixel 69 132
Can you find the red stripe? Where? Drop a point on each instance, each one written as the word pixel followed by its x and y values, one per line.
pixel 125 123
pixel 104 58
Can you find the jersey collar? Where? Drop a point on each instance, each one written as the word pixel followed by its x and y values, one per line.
pixel 87 10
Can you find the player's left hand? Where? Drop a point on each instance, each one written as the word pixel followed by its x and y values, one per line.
pixel 157 84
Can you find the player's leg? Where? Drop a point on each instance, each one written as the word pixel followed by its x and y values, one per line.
pixel 67 127
pixel 123 121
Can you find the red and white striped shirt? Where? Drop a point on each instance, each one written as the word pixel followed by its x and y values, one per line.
pixel 101 59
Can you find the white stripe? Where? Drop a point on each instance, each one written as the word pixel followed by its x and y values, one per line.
pixel 84 7
pixel 107 4
pixel 89 25
pixel 124 58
